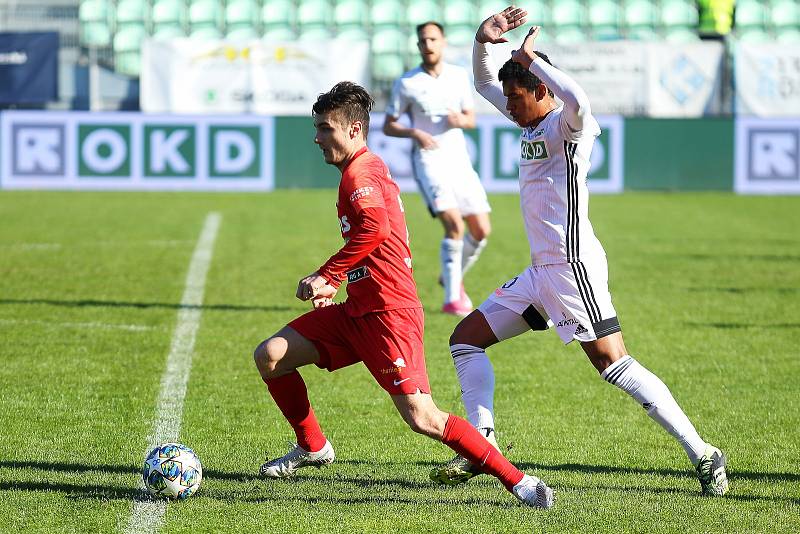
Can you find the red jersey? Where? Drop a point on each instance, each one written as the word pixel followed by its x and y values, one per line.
pixel 375 257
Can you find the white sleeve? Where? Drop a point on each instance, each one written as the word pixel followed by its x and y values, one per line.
pixel 486 82
pixel 577 110
pixel 397 104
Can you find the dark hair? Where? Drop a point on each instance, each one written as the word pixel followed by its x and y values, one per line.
pixel 420 27
pixel 511 70
pixel 349 101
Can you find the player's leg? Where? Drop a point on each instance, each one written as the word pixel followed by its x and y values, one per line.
pixel 611 359
pixel 507 313
pixel 309 339
pixel 422 415
pixel 578 292
pixel 475 239
pixel 450 255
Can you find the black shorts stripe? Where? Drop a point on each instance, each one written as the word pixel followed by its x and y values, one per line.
pixel 592 299
pixel 464 352
pixel 614 375
pixel 581 283
pixel 534 318
pixel 606 327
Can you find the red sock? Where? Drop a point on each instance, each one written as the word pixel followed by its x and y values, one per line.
pixel 463 438
pixel 291 396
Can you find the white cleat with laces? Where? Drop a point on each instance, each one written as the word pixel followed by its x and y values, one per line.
pixel 297 457
pixel 534 492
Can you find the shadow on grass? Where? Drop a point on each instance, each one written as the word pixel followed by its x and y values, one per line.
pixel 86 303
pixel 741 326
pixel 254 482
pixel 743 290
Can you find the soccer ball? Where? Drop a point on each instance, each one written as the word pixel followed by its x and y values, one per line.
pixel 172 471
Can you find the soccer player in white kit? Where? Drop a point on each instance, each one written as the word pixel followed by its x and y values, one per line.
pixel 566 286
pixel 438 98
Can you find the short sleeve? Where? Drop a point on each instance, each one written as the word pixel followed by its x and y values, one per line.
pixel 398 102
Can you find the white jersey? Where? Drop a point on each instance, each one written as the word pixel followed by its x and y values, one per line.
pixel 428 100
pixel 553 165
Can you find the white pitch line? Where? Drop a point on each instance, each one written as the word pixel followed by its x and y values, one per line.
pixel 147 515
pixel 100 326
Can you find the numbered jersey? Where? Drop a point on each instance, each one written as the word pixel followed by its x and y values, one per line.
pixel 377 269
pixel 553 164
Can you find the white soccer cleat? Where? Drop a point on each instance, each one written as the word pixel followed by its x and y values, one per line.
pixel 534 492
pixel 297 457
pixel 711 472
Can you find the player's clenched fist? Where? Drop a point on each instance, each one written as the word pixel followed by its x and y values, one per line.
pixel 310 286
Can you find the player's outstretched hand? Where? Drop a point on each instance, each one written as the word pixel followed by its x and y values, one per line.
pixel 310 286
pixel 492 29
pixel 525 54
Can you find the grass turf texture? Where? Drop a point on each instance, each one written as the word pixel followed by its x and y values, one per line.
pixel 707 287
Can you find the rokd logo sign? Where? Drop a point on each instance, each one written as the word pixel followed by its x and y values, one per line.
pixel 767 156
pixel 135 151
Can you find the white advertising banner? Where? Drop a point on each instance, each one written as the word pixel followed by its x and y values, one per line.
pixel 494 149
pixel 187 76
pixel 630 78
pixel 767 156
pixel 133 151
pixel 767 79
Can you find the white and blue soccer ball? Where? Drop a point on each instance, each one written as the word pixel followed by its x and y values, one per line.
pixel 172 471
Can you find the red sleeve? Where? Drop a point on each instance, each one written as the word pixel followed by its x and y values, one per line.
pixel 373 230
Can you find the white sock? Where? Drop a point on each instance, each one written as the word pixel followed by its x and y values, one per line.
pixel 654 396
pixel 476 376
pixel 472 250
pixel 450 254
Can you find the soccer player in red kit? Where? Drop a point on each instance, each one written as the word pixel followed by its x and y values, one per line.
pixel 380 324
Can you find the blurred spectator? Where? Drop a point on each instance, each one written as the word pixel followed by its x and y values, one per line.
pixel 716 18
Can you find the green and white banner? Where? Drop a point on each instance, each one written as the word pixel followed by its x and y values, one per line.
pixel 767 79
pixel 495 149
pixel 187 76
pixel 134 151
pixel 652 79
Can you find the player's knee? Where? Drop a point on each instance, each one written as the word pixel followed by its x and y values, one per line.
pixel 482 232
pixel 267 355
pixel 425 424
pixel 462 334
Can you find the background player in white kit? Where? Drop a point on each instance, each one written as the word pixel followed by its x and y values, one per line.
pixel 438 98
pixel 566 285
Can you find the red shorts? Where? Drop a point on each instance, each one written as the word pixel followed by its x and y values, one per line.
pixel 389 343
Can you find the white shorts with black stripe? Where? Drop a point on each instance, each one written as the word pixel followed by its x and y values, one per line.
pixel 572 297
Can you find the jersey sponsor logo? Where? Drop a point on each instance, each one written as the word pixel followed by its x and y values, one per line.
pixel 344 224
pixel 533 150
pixel 361 192
pixel 399 365
pixel 567 322
pixel 357 274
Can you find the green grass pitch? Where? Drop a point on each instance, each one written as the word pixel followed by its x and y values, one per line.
pixel 707 287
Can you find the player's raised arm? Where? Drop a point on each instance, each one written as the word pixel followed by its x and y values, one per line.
pixel 484 71
pixel 576 101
